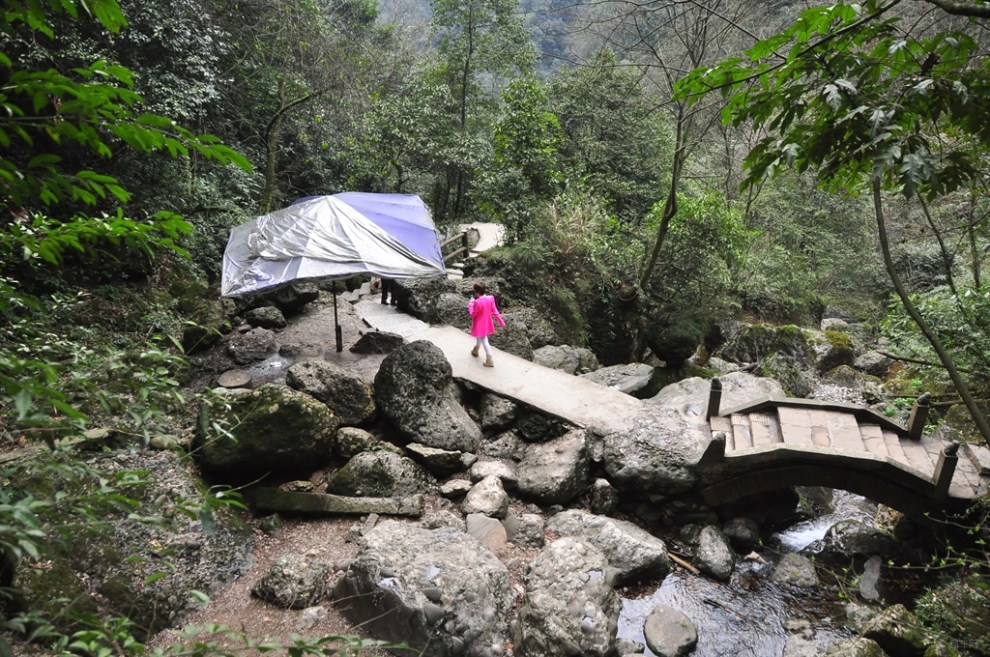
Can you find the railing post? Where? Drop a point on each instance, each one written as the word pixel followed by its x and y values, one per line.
pixel 919 416
pixel 464 243
pixel 944 469
pixel 715 451
pixel 714 398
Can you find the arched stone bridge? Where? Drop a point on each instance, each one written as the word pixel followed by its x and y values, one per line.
pixel 769 444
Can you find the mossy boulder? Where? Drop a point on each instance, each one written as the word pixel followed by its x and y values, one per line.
pixel 271 428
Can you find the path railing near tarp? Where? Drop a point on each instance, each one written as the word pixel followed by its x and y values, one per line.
pixel 458 238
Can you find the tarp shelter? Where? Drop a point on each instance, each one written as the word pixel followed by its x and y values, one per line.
pixel 326 238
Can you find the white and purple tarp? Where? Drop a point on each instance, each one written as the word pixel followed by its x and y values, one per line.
pixel 333 237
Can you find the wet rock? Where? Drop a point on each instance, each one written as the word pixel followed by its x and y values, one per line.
pixel 858 647
pixel 555 472
pixel 713 555
pixel 870 578
pixel 570 607
pixel 854 537
pixel 436 590
pixel 294 582
pixel 270 428
pixel 347 394
pixel 629 549
pixel 414 389
pixel 897 631
pixel 795 571
pixel 743 533
pixel 669 632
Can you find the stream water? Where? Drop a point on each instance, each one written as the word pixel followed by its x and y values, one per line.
pixel 750 616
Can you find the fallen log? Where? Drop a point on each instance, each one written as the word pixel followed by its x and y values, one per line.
pixel 273 499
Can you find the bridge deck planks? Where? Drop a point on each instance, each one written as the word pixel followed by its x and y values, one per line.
pixel 765 429
pixel 795 426
pixel 893 443
pixel 873 439
pixel 843 431
pixel 741 434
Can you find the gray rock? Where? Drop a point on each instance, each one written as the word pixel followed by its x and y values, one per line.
pixel 347 394
pixel 487 497
pixel 873 363
pixel 555 472
pixel 294 582
pixel 834 324
pixel 455 489
pixel 267 317
pixel 497 412
pixel 799 646
pixel 414 389
pixel 525 530
pixel 437 590
pixel 438 462
pixel 504 471
pixel 854 537
pixel 537 329
pixel 506 445
pixel 292 298
pixel 603 498
pixel 755 342
pixel 632 551
pixel 270 428
pixel 570 607
pixel 377 342
pixel 512 339
pixel 352 440
pixel 795 571
pixel 419 297
pixel 691 395
pixel 713 555
pixel 743 533
pixel 488 531
pixel 870 578
pixel 897 631
pixel 658 455
pixel 563 357
pixel 380 474
pixel 669 632
pixel 257 344
pixel 632 378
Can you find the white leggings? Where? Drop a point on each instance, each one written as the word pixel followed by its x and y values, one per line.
pixel 483 343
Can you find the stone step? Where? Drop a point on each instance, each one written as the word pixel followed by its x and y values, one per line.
pixel 843 430
pixel 917 457
pixel 873 439
pixel 795 425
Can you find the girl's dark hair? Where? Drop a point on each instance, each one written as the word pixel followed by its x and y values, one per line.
pixel 479 288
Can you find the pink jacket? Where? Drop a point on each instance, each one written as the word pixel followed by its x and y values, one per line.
pixel 482 309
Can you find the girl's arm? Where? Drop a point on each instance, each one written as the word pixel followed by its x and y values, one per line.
pixel 472 308
pixel 496 313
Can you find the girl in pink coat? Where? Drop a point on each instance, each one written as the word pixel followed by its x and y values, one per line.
pixel 483 313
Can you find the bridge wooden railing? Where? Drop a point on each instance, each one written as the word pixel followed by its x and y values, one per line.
pixel 458 238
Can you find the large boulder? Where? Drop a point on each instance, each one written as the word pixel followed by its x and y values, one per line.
pixel 570 607
pixel 419 296
pixel 271 428
pixel 414 389
pixel 512 339
pixel 713 553
pixel 349 396
pixel 539 331
pixel 555 472
pixel 669 632
pixel 251 346
pixel 691 395
pixel 439 591
pixel 897 631
pixel 294 582
pixel 755 342
pixel 630 550
pixel 658 455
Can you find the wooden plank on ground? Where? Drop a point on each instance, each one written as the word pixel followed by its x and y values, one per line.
pixel 765 429
pixel 741 433
pixel 872 436
pixel 273 499
pixel 795 426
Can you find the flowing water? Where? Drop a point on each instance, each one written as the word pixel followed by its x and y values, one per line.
pixel 750 616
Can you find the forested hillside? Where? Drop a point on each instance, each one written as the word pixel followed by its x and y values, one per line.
pixel 662 169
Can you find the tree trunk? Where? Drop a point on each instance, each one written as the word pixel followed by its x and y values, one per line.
pixel 943 355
